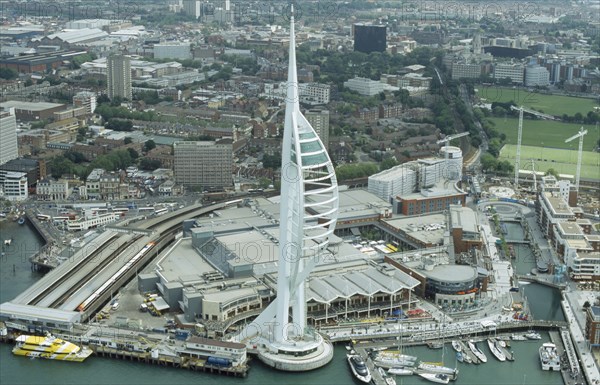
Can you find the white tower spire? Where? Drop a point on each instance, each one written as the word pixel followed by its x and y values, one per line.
pixel 309 208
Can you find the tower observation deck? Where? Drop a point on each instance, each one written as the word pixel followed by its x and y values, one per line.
pixel 309 210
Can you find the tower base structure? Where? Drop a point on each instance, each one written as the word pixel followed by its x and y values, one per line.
pixel 298 356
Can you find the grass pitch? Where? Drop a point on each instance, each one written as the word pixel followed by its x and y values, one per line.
pixel 563 161
pixel 550 104
pixel 546 133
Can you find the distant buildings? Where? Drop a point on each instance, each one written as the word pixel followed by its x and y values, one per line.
pixel 592 325
pixel 319 120
pixel 192 8
pixel 369 38
pixel 513 71
pixel 33 111
pixel 14 186
pixel 50 189
pixel 421 186
pixel 8 136
pixel 119 76
pixel 536 76
pixel 364 86
pixel 176 50
pixel 85 99
pixel 465 70
pixel 314 93
pixel 204 164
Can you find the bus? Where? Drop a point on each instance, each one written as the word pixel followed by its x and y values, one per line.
pixel 43 217
pixel 60 219
pixel 146 209
pixel 122 210
pixel 161 211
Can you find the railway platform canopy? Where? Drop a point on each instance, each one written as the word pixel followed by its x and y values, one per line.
pixel 37 316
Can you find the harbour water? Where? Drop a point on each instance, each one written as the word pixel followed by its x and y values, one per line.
pixel 16 275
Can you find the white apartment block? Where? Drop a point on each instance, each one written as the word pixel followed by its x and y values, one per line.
pixel 203 163
pixel 390 183
pixel 464 70
pixel 586 264
pixel 85 99
pixel 514 71
pixel 49 189
pixel 364 86
pixel 9 149
pixel 536 76
pixel 14 187
pixel 314 93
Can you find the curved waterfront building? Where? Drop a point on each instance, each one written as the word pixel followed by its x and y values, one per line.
pixel 309 208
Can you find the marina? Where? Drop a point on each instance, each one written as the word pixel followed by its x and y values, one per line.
pixel 412 346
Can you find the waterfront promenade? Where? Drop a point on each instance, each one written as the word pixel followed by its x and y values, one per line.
pixel 572 306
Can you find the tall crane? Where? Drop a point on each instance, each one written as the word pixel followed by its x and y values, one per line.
pixel 520 135
pixel 447 140
pixel 579 135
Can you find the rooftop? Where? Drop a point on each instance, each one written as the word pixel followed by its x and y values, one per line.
pixel 30 106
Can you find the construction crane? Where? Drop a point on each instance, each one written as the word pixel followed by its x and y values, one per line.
pixel 447 140
pixel 579 135
pixel 520 135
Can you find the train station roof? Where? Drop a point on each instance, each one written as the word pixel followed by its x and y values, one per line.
pixel 9 310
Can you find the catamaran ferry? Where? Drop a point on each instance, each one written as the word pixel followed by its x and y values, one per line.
pixel 49 347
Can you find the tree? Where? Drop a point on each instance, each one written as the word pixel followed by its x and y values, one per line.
pixel 586 304
pixel 133 153
pixel 127 140
pixel 388 163
pixel 149 145
pixel 149 164
pixel 8 73
pixel 552 172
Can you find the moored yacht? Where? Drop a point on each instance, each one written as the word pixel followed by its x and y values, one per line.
pixel 359 368
pixel 549 357
pixel 495 350
pixel 436 377
pixel 478 353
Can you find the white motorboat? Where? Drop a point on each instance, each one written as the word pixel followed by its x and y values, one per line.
pixel 478 353
pixel 518 337
pixel 436 377
pixel 532 335
pixel 456 345
pixel 359 368
pixel 495 351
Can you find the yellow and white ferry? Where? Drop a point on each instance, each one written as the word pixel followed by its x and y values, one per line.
pixel 50 347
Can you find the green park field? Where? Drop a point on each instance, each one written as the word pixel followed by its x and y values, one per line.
pixel 546 133
pixel 556 105
pixel 562 160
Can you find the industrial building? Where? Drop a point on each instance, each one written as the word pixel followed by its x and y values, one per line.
pixel 33 111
